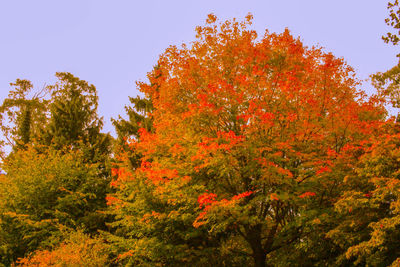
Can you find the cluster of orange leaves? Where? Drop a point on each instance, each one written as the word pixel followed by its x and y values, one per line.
pixel 207 201
pixel 81 252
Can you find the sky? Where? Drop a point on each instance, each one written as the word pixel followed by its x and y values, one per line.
pixel 113 44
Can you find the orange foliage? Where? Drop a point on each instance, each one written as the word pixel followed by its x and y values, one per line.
pixel 231 92
pixel 307 194
pixel 78 251
pixel 236 113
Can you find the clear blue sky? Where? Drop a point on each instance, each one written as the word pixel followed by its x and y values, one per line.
pixel 113 43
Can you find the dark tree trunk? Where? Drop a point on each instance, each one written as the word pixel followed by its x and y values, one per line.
pixel 259 259
pixel 254 238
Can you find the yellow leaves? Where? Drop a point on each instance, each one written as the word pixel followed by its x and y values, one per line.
pixel 153 215
pixel 316 221
pixel 173 214
pixel 375 185
pixel 365 248
pixel 396 263
pixel 77 250
pixel 392 183
pixel 176 150
pixel 285 172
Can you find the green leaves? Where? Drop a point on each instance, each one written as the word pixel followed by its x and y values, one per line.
pixel 23 114
pixel 43 192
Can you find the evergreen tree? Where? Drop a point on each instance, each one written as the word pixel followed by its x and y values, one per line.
pixel 74 121
pixel 61 178
pixel 137 118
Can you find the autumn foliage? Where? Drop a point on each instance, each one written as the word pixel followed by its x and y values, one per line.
pixel 246 150
pixel 77 250
pixel 257 130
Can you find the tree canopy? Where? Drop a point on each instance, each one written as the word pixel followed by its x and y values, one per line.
pixel 249 135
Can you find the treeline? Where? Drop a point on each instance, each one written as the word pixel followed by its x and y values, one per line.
pixel 245 151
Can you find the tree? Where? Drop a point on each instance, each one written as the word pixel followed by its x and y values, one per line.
pixel 388 82
pixel 369 225
pixel 44 193
pixel 74 121
pixel 174 229
pixel 247 141
pixel 137 119
pixel 78 250
pixel 22 114
pixel 60 178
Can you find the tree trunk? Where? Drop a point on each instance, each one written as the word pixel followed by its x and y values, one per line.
pixel 259 259
pixel 254 238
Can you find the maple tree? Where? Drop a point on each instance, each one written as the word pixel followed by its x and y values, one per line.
pixel 248 142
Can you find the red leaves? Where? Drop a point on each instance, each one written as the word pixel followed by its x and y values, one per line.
pixel 285 172
pixel 204 101
pixel 267 117
pixel 307 195
pixel 122 175
pixel 112 200
pixel 157 175
pixel 323 170
pixel 230 137
pixel 206 199
pixel 114 171
pixel 242 195
pixel 223 141
pixel 273 196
